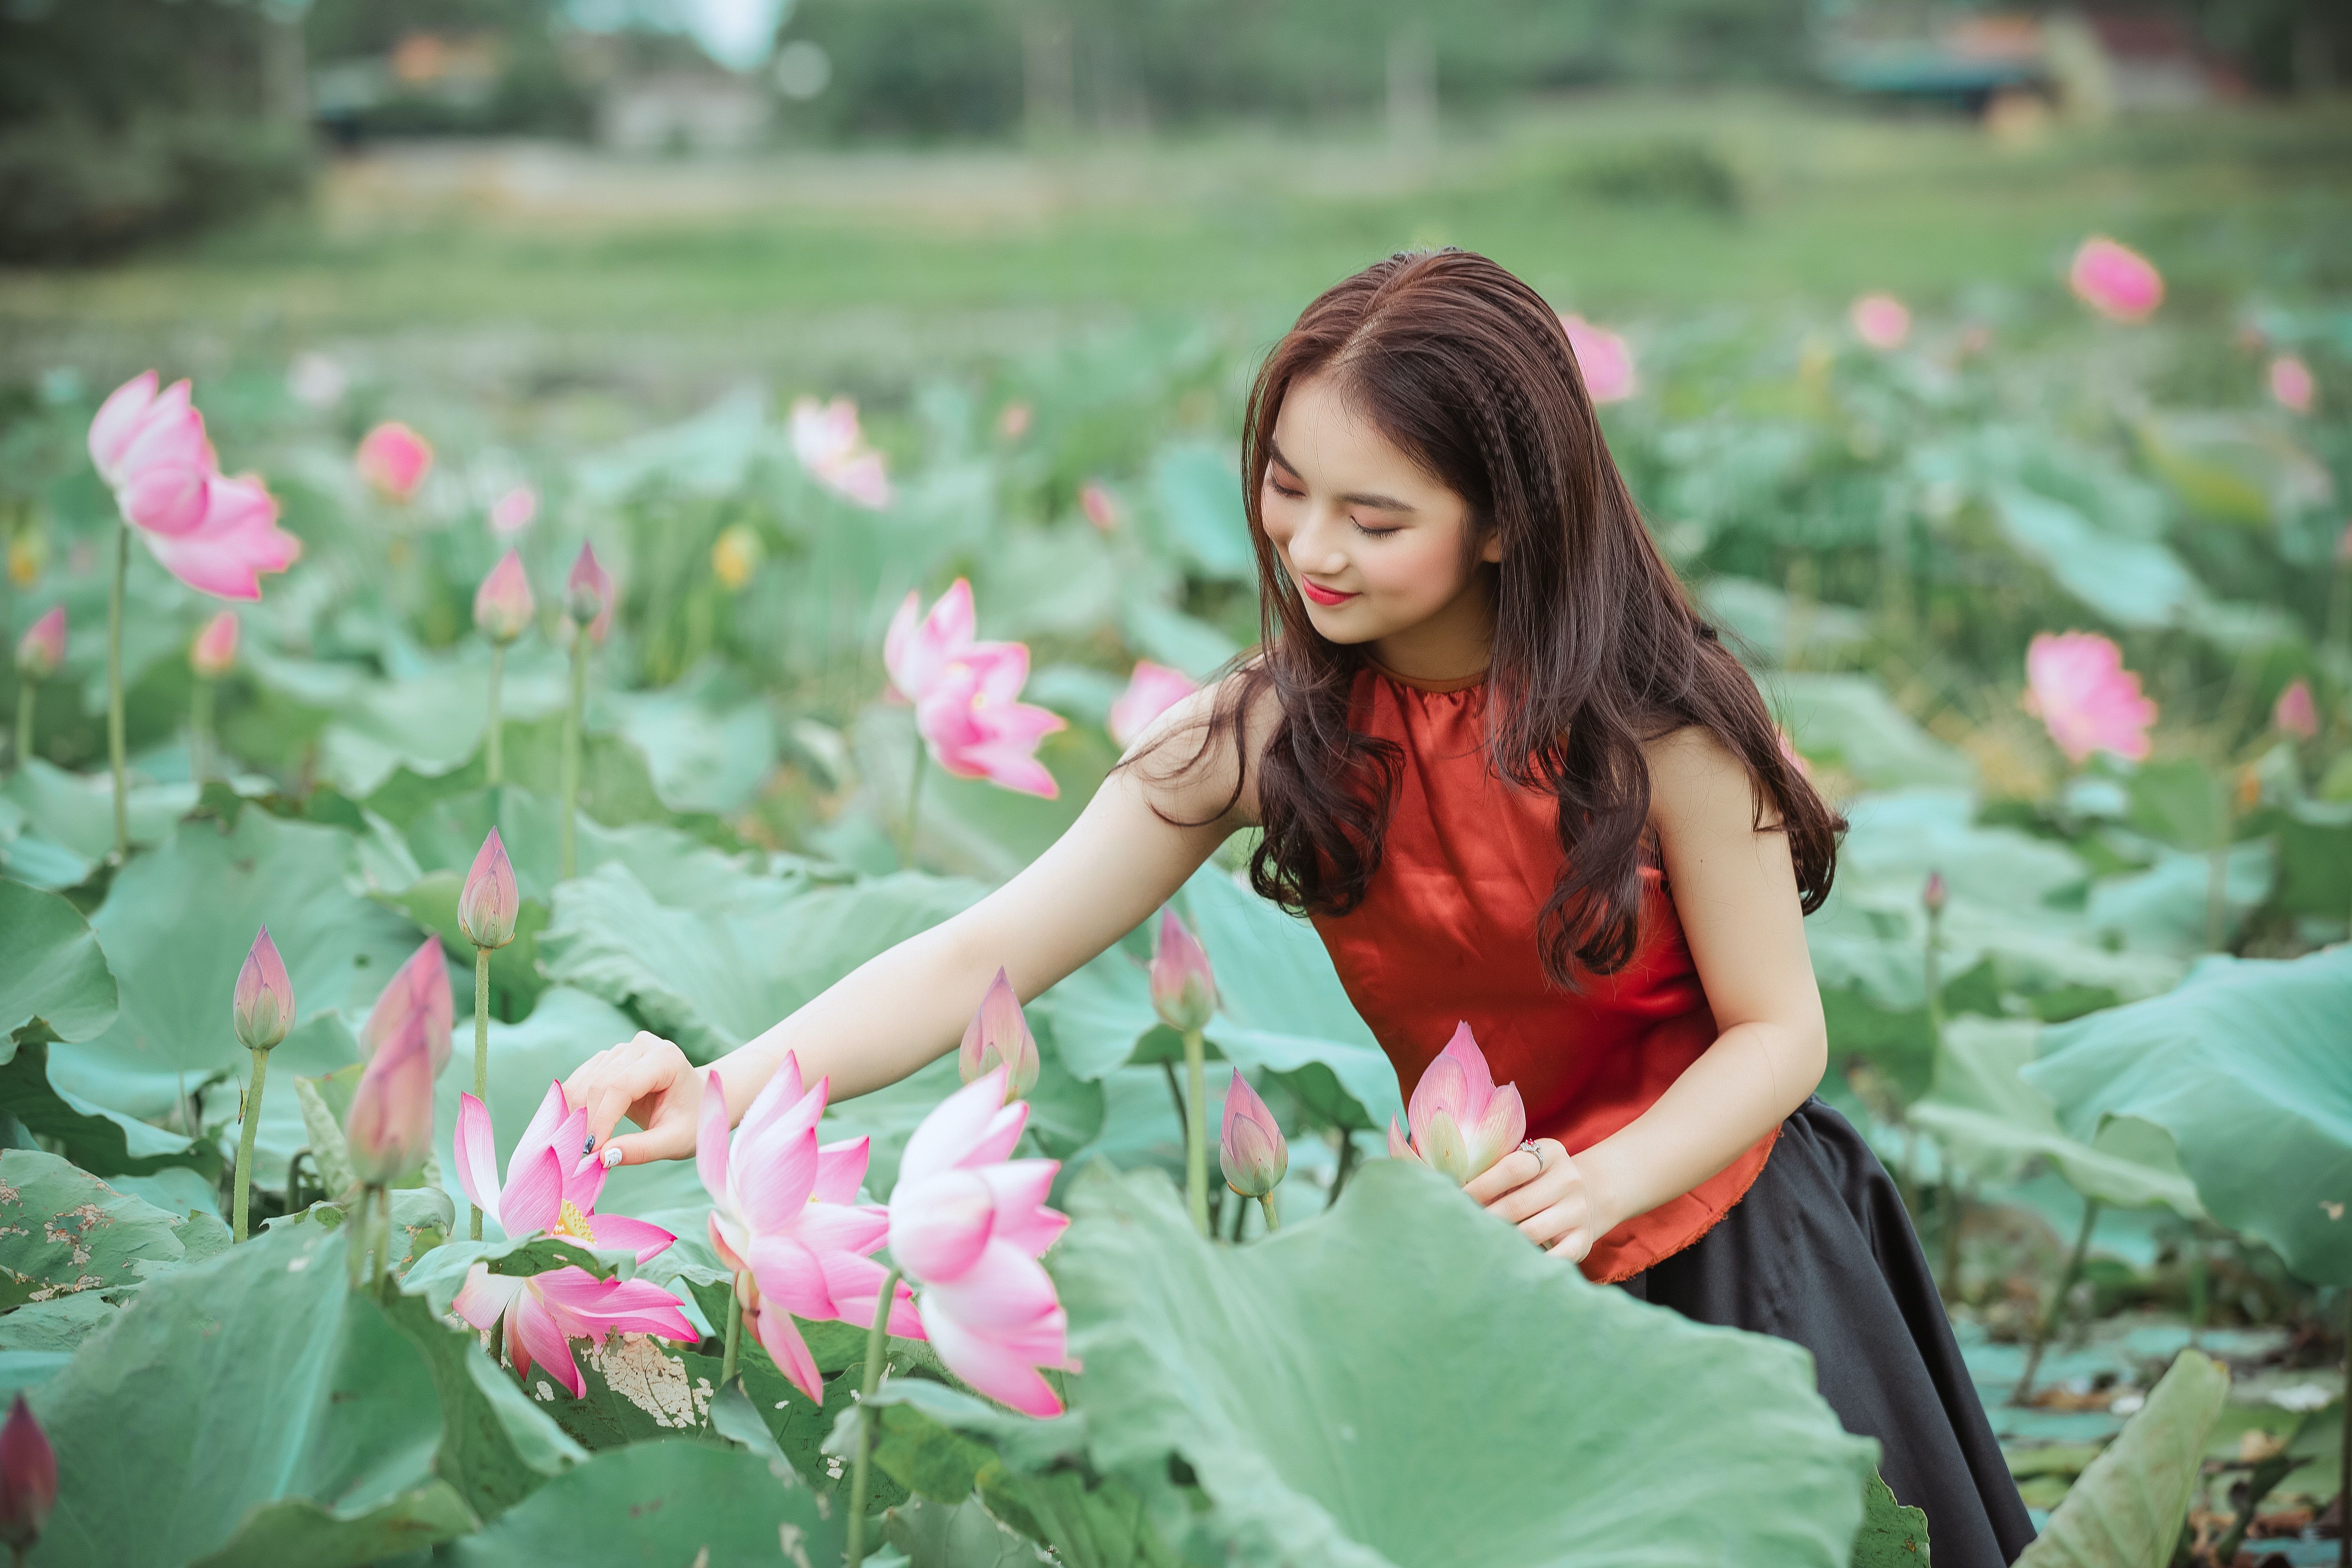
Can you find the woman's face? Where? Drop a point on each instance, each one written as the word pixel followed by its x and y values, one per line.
pixel 1372 540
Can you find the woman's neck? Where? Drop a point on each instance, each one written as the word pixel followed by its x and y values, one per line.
pixel 1454 643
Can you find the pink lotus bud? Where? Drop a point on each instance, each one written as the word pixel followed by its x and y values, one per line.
pixel 390 1124
pixel 213 653
pixel 1013 422
pixel 1183 992
pixel 1252 1150
pixel 394 460
pixel 1462 1123
pixel 1100 506
pixel 42 647
pixel 262 1009
pixel 2115 281
pixel 1935 895
pixel 488 907
pixel 2077 686
pixel 998 1035
pixel 1604 359
pixel 1150 692
pixel 588 594
pixel 1882 320
pixel 2295 713
pixel 512 512
pixel 503 604
pixel 2292 385
pixel 419 992
pixel 28 1476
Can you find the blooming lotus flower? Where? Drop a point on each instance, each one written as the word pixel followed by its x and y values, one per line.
pixel 262 1006
pixel 1251 1150
pixel 389 1127
pixel 545 1312
pixel 548 1187
pixel 917 649
pixel 784 1208
pixel 512 512
pixel 490 903
pixel 503 604
pixel 1100 506
pixel 394 460
pixel 588 593
pixel 2292 385
pixel 1461 1122
pixel 2294 713
pixel 2115 281
pixel 28 1477
pixel 1183 990
pixel 316 380
pixel 968 1226
pixel 1603 358
pixel 215 533
pixel 42 647
pixel 234 540
pixel 826 440
pixel 998 1035
pixel 2077 685
pixel 1152 691
pixel 418 994
pixel 1882 320
pixel 735 555
pixel 213 653
pixel 975 728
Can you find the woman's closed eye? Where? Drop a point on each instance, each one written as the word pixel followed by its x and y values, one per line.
pixel 1374 533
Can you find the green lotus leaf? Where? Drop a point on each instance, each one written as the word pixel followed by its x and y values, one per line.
pixel 2125 1509
pixel 52 975
pixel 63 1231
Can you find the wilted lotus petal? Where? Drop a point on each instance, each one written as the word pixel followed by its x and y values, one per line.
pixel 262 1006
pixel 975 728
pixel 1882 320
pixel 213 653
pixel 2293 386
pixel 2115 281
pixel 588 593
pixel 394 460
pixel 28 1477
pixel 1603 358
pixel 1183 991
pixel 389 1127
pixel 1251 1151
pixel 490 903
pixel 1462 1123
pixel 42 648
pixel 2077 686
pixel 2295 713
pixel 1152 691
pixel 419 990
pixel 503 604
pixel 512 512
pixel 998 1035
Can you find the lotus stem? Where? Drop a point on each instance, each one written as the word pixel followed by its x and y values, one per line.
pixel 200 730
pixel 1175 1097
pixel 1347 1164
pixel 115 747
pixel 2056 1314
pixel 23 723
pixel 568 861
pixel 383 1236
pixel 734 1330
pixel 1273 1221
pixel 876 1339
pixel 493 757
pixel 482 1055
pixel 353 1239
pixel 1196 1131
pixel 249 1113
pixel 2343 1485
pixel 914 803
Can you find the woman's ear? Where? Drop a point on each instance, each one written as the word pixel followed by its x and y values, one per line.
pixel 1492 550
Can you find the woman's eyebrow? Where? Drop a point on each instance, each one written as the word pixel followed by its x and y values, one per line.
pixel 1357 498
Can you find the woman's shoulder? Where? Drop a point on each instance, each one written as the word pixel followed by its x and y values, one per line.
pixel 1697 780
pixel 1208 742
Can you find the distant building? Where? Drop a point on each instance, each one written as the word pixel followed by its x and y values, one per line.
pixel 2090 64
pixel 683 111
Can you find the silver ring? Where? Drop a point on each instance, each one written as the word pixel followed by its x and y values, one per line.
pixel 1528 1145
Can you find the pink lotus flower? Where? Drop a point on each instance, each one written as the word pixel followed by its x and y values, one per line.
pixel 394 460
pixel 42 647
pixel 588 593
pixel 1100 506
pixel 216 534
pixel 785 1208
pixel 2295 713
pixel 968 1226
pixel 1882 320
pixel 998 1035
pixel 234 540
pixel 1603 358
pixel 1251 1150
pixel 826 440
pixel 1934 894
pixel 1461 1122
pixel 2292 385
pixel 503 604
pixel 512 512
pixel 262 1006
pixel 918 646
pixel 545 1312
pixel 28 1477
pixel 389 1127
pixel 1183 990
pixel 2116 281
pixel 1152 691
pixel 213 653
pixel 418 997
pixel 975 727
pixel 549 1187
pixel 490 903
pixel 2077 686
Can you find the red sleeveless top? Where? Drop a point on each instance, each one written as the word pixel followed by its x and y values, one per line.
pixel 1447 933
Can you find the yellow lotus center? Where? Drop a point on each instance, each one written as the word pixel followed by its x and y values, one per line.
pixel 569 1221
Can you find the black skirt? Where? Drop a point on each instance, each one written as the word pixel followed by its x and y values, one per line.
pixel 1820 1252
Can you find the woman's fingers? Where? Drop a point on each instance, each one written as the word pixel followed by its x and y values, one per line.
pixel 1515 1169
pixel 642 1080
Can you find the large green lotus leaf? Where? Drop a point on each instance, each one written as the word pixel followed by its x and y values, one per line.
pixel 52 975
pixel 710 981
pixel 1359 1391
pixel 2162 909
pixel 663 1504
pixel 2235 467
pixel 2125 1509
pixel 1168 636
pixel 2132 582
pixel 678 868
pixel 1047 581
pixel 1892 1536
pixel 614 784
pixel 101 1142
pixel 709 740
pixel 2245 1065
pixel 1850 720
pixel 63 1231
pixel 76 811
pixel 1762 619
pixel 2314 855
pixel 937 1535
pixel 1992 1121
pixel 1199 497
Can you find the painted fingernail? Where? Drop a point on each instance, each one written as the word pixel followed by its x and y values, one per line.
pixel 611 1156
pixel 589 1147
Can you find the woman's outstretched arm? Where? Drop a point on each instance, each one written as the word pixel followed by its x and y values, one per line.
pixel 906 1005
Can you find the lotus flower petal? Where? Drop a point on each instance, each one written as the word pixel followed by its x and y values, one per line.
pixel 790 1275
pixel 534 1198
pixel 389 1126
pixel 773 1189
pixel 484 1295
pixel 539 1133
pixel 1400 1148
pixel 852 1280
pixel 781 1338
pixel 1602 357
pixel 262 1007
pixel 489 904
pixel 2077 685
pixel 393 460
pixel 840 1170
pixel 213 653
pixel 1444 1148
pixel 938 1225
pixel 1001 1374
pixel 544 1342
pixel 117 420
pixel 475 1157
pixel 2115 281
pixel 2294 713
pixel 503 604
pixel 28 1476
pixel 710 1140
pixel 42 647
pixel 1184 988
pixel 640 1237
pixel 1251 1149
pixel 954 1128
pixel 999 1034
pixel 236 541
pixel 1152 691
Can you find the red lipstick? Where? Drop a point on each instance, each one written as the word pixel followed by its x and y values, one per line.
pixel 1323 595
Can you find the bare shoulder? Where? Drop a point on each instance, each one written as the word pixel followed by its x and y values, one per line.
pixel 1699 784
pixel 1190 765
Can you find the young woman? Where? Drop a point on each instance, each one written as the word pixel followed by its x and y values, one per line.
pixel 1515 779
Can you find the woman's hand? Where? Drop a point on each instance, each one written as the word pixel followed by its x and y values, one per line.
pixel 1543 1192
pixel 648 1080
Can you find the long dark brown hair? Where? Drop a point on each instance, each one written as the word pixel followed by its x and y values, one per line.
pixel 1597 648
